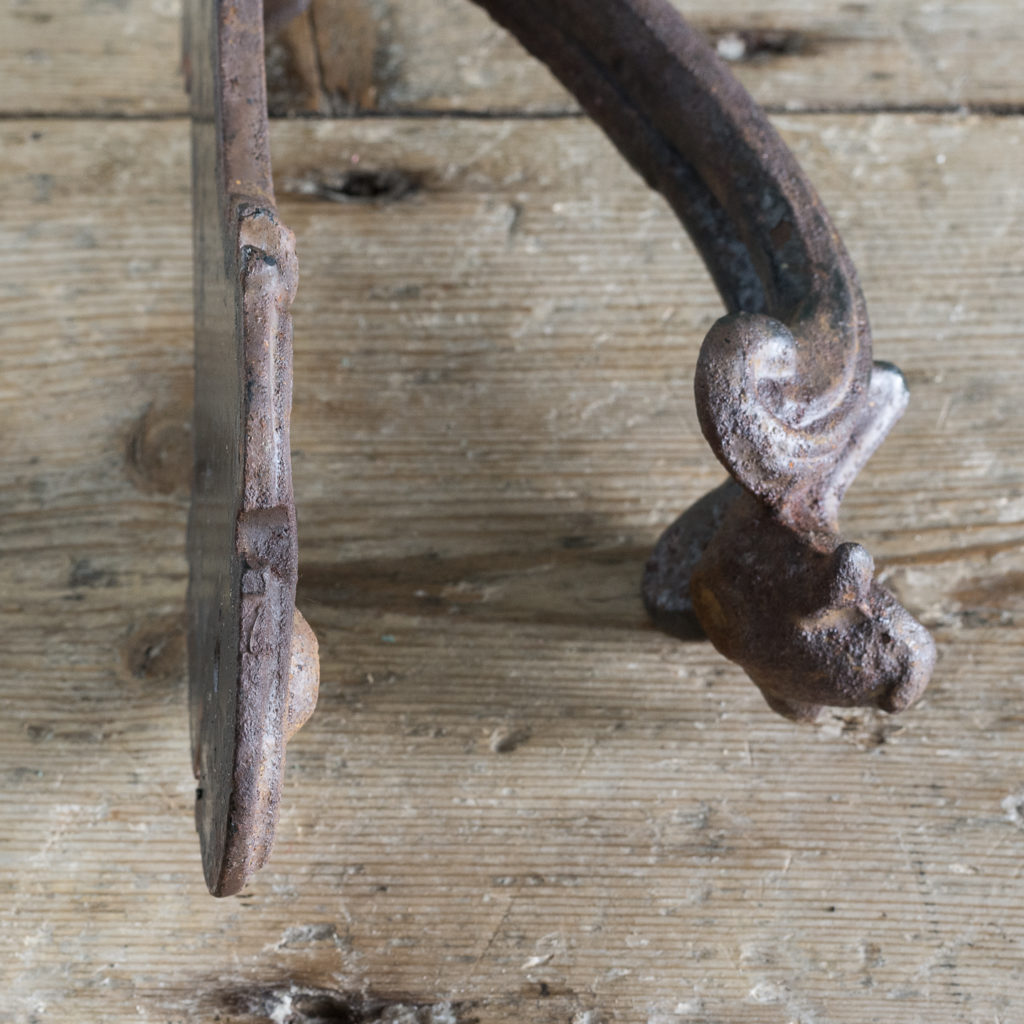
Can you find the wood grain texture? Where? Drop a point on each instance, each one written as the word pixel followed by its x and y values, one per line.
pixel 91 56
pixel 516 802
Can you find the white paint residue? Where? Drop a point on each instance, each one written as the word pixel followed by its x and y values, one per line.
pixel 537 961
pixel 678 1013
pixel 963 869
pixel 768 992
pixel 1012 806
pixel 690 1007
pixel 286 1006
pixel 281 1011
pixel 731 47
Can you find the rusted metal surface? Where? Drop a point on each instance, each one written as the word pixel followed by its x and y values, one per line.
pixel 248 689
pixel 787 394
pixel 761 567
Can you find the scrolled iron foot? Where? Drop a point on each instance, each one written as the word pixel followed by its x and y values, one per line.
pixel 761 568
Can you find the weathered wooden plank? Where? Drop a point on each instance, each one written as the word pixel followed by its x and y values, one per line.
pixel 516 802
pixel 797 54
pixel 80 57
pixel 77 56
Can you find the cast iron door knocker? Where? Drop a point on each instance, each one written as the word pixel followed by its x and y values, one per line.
pixel 787 396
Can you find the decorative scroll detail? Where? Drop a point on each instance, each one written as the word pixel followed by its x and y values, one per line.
pixel 795 447
pixel 758 564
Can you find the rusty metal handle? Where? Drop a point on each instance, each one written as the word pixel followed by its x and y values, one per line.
pixel 787 396
pixel 684 122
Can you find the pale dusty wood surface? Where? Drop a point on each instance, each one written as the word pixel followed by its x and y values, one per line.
pixel 516 802
pixel 89 56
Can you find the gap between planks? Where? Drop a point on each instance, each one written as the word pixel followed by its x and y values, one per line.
pixel 963 110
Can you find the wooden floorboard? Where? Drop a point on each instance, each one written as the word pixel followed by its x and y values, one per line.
pixel 91 57
pixel 517 802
